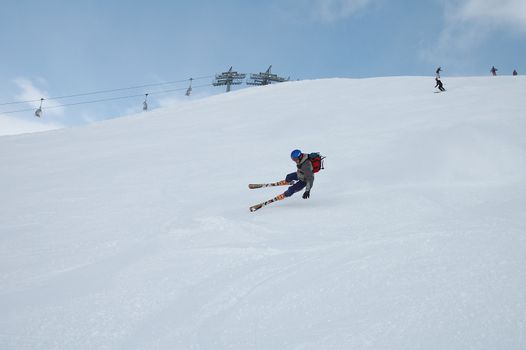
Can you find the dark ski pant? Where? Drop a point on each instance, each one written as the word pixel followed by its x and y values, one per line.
pixel 298 186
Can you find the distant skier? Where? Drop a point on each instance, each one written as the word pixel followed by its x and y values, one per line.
pixel 515 73
pixel 439 69
pixel 303 178
pixel 439 84
pixel 493 71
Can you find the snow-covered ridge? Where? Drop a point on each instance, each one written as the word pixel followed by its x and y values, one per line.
pixel 135 232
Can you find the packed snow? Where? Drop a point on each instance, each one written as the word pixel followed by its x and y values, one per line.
pixel 135 233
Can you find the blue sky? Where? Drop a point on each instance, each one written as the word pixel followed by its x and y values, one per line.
pixel 55 48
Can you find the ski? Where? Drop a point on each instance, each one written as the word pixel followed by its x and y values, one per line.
pixel 279 183
pixel 261 205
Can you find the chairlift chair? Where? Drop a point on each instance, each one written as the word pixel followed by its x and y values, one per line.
pixel 38 112
pixel 189 90
pixel 145 103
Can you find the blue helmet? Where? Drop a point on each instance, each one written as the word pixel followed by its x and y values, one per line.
pixel 296 154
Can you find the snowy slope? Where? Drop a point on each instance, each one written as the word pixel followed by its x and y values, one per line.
pixel 135 233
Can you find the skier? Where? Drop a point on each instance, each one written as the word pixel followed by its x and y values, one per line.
pixel 515 73
pixel 304 176
pixel 307 164
pixel 440 85
pixel 439 69
pixel 493 71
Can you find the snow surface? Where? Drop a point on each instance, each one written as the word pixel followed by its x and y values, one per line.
pixel 135 233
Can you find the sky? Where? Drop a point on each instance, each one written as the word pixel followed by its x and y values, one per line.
pixel 63 48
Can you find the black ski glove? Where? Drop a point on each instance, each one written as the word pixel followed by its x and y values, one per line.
pixel 306 195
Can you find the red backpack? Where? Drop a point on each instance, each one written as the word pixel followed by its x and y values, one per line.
pixel 316 160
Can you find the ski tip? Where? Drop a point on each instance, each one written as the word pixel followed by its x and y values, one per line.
pixel 254 208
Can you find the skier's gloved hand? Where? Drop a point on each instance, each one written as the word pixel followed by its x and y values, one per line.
pixel 306 194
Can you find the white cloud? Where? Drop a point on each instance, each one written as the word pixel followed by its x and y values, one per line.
pixel 510 14
pixel 29 92
pixel 469 23
pixel 334 10
pixel 177 100
pixel 13 126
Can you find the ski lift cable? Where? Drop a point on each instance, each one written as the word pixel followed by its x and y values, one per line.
pixel 107 91
pixel 103 99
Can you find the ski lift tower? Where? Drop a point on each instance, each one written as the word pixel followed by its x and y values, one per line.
pixel 229 78
pixel 265 78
